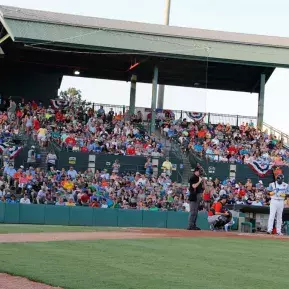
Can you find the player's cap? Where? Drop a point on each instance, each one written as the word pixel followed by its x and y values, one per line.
pixel 280 177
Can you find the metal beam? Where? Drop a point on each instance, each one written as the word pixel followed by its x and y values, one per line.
pixel 261 102
pixel 161 94
pixel 4 38
pixel 132 94
pixel 154 99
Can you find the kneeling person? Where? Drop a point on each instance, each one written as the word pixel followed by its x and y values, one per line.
pixel 218 217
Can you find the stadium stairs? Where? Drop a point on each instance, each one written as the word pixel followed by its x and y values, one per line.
pixel 172 150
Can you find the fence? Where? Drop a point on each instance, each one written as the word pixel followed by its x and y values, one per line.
pixel 213 118
pixel 279 134
pixel 85 216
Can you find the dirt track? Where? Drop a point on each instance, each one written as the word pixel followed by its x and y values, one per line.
pixel 131 233
pixel 13 282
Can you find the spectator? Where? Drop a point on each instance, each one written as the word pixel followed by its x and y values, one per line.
pixel 31 159
pixel 70 202
pixel 51 159
pixel 25 200
pixel 167 167
pixel 72 173
pixel 116 167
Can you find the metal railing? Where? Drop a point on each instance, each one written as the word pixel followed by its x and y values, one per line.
pixel 276 132
pixel 213 118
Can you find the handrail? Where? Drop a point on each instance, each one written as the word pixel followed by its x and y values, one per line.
pixel 178 111
pixel 275 129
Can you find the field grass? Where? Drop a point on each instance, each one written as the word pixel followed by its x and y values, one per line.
pixel 5 229
pixel 151 263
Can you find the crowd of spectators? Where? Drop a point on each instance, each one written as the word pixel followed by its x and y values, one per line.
pixel 78 127
pixel 237 193
pixel 104 189
pixel 226 143
pixel 99 190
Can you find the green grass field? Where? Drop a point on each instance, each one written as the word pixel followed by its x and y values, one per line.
pixel 5 229
pixel 152 263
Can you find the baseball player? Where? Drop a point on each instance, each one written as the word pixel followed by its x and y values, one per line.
pixel 278 191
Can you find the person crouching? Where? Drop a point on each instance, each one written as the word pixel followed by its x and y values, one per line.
pixel 218 217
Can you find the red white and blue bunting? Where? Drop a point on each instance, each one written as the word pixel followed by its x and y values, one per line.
pixel 12 151
pixel 196 116
pixel 60 104
pixel 261 168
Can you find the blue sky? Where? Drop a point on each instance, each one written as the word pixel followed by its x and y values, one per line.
pixel 257 17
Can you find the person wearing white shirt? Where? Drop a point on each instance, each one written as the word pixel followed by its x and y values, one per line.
pixel 278 191
pixel 215 140
pixel 257 203
pixel 187 206
pixel 24 200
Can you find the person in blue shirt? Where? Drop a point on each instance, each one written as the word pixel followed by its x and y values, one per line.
pixel 72 173
pixel 12 200
pixel 198 148
pixel 9 172
pixel 244 151
pixel 91 147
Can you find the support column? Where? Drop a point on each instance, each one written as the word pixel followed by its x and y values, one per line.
pixel 132 94
pixel 261 102
pixel 154 99
pixel 161 93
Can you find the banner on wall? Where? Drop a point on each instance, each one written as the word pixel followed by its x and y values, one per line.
pixel 60 104
pixel 260 167
pixel 12 151
pixel 196 116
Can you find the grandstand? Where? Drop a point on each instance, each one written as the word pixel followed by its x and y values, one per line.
pixel 39 48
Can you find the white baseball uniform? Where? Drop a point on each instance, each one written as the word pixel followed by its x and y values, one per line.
pixel 277 205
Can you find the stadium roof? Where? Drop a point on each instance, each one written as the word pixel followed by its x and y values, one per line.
pixel 103 48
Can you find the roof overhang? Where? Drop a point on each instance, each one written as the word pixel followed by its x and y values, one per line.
pixel 240 57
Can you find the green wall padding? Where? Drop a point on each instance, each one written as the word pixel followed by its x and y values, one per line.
pixel 129 218
pixel 57 215
pixel 202 221
pixel 81 216
pixel 31 214
pixel 105 217
pixel 236 225
pixel 153 219
pixel 12 213
pixel 2 212
pixel 177 220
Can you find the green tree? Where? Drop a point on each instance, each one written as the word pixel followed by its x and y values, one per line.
pixel 71 94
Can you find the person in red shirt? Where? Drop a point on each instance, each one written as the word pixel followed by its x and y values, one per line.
pixel 34 105
pixel 232 150
pixel 84 149
pixel 218 217
pixel 70 141
pixel 84 198
pixel 242 192
pixel 59 116
pixel 36 123
pixel 94 204
pixel 130 151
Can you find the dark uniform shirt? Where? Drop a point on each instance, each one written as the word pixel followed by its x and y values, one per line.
pixel 198 190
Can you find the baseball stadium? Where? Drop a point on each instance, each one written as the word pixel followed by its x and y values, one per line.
pixel 108 196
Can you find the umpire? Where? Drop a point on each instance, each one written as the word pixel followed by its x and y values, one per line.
pixel 195 197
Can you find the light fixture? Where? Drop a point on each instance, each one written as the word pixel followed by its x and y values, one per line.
pixel 76 72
